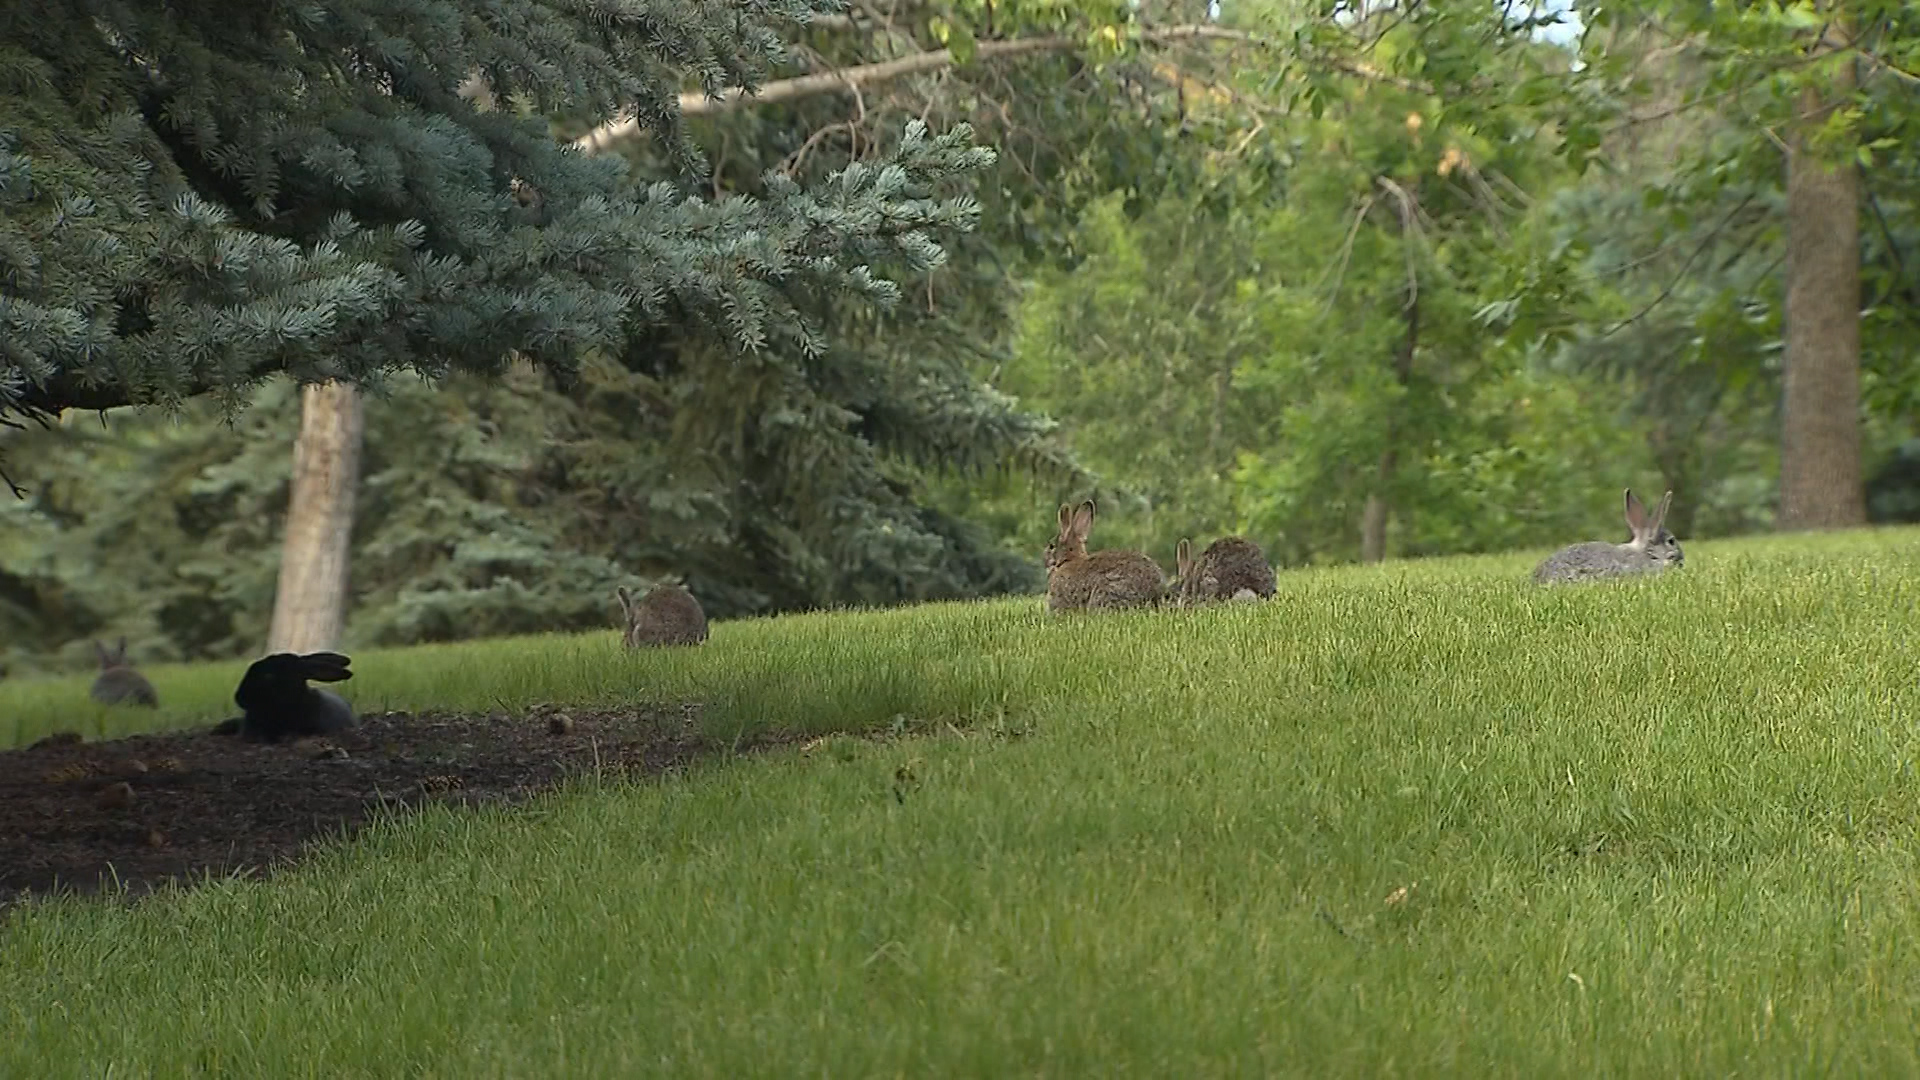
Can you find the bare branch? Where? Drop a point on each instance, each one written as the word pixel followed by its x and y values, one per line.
pixel 699 104
pixel 1339 269
pixel 833 22
pixel 1489 200
pixel 1259 125
pixel 792 164
pixel 1409 230
pixel 1705 241
pixel 695 103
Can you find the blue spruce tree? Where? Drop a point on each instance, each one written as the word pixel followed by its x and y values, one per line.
pixel 193 203
pixel 194 198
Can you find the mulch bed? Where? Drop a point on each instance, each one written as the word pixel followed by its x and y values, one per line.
pixel 76 816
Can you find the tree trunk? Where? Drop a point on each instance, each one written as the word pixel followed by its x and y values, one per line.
pixel 1373 518
pixel 1378 512
pixel 310 605
pixel 1821 483
pixel 1677 458
pixel 1217 423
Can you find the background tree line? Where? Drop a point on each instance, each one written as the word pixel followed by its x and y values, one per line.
pixel 1400 280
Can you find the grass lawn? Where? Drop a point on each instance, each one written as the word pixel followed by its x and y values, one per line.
pixel 1422 819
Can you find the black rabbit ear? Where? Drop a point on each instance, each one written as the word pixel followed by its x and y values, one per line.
pixel 268 668
pixel 325 667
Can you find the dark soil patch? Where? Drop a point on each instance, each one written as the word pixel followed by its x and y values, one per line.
pixel 143 810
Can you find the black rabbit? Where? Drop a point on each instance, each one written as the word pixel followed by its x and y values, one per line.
pixel 277 703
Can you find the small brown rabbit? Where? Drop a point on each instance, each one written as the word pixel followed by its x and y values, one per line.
pixel 667 615
pixel 1104 579
pixel 118 683
pixel 1232 568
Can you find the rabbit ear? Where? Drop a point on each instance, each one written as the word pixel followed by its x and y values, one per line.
pixel 1082 523
pixel 1066 518
pixel 1183 557
pixel 626 600
pixel 325 667
pixel 1659 516
pixel 1636 513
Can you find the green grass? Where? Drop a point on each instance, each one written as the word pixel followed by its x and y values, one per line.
pixel 810 673
pixel 1656 828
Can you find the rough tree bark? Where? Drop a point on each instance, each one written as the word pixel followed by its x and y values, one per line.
pixel 1821 481
pixel 310 604
pixel 1374 515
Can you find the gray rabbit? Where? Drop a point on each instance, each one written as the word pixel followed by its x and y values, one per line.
pixel 1651 550
pixel 667 615
pixel 118 683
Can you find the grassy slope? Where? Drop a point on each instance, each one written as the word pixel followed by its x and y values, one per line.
pixel 1656 829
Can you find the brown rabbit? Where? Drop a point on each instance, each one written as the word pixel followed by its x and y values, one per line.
pixel 1104 579
pixel 667 615
pixel 1232 568
pixel 118 683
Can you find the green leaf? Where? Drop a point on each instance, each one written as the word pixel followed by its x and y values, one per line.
pixel 962 44
pixel 1804 16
